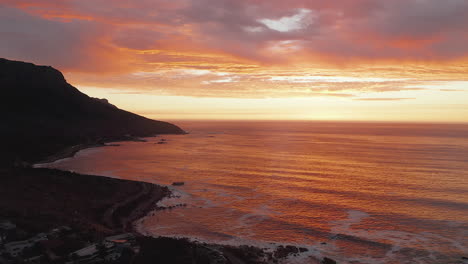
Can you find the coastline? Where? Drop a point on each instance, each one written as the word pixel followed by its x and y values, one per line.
pixel 43 198
pixel 70 152
pixel 124 216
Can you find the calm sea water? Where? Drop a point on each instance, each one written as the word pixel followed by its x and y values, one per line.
pixel 356 192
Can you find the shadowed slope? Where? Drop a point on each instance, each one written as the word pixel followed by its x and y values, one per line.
pixel 42 114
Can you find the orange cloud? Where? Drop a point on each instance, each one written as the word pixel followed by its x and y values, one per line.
pixel 235 48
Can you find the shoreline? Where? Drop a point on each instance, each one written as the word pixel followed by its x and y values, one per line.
pixel 70 152
pixel 126 216
pixel 43 197
pixel 143 202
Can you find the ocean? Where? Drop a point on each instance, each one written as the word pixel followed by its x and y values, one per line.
pixel 355 192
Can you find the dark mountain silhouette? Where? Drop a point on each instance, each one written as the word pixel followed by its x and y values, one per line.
pixel 42 114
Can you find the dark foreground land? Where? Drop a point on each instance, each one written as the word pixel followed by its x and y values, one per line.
pixel 94 208
pixel 42 114
pixel 42 199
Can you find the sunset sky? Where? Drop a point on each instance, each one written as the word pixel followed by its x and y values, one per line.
pixel 379 60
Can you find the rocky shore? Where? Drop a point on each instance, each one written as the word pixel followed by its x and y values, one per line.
pixel 39 199
pixel 97 207
pixel 44 198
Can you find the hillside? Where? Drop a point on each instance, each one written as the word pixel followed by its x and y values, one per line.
pixel 42 114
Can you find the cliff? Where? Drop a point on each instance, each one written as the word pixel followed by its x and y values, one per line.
pixel 42 114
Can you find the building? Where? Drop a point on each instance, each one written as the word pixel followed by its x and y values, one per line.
pixel 15 249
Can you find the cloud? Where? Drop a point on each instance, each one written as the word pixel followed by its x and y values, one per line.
pixel 451 90
pixel 382 99
pixel 263 48
pixel 75 45
pixel 332 79
pixel 366 29
pixel 297 21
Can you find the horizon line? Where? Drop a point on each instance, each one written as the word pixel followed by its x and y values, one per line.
pixel 318 121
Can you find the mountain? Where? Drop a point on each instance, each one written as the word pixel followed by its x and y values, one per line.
pixel 41 114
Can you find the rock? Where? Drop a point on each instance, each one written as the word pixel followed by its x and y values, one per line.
pixel 178 183
pixel 162 141
pixel 326 260
pixel 284 251
pixel 104 101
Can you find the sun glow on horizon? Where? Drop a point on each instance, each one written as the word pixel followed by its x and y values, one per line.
pixel 375 108
pixel 243 60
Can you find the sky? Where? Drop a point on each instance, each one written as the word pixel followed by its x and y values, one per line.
pixel 353 60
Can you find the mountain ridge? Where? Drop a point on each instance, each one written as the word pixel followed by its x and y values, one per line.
pixel 42 114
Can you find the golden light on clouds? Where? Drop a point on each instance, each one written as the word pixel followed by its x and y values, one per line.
pixel 225 59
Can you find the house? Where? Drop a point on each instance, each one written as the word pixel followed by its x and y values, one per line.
pixel 59 230
pixel 34 260
pixel 122 238
pixel 92 252
pixel 15 249
pixel 110 249
pixel 7 225
pixel 86 252
pixel 38 237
